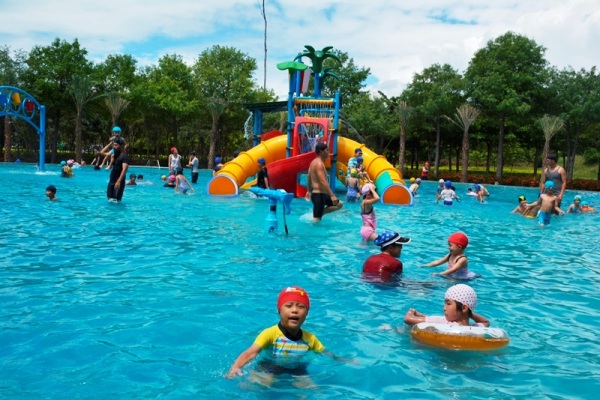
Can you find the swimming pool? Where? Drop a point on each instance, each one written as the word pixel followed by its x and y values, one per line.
pixel 157 296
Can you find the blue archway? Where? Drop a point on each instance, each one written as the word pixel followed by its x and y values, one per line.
pixel 15 102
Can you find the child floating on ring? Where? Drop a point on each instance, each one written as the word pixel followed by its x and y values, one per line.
pixel 459 309
pixel 458 263
pixel 288 344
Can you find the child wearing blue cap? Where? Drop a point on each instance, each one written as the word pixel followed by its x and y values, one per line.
pixel 575 208
pixel 262 178
pixel 447 194
pixel 548 203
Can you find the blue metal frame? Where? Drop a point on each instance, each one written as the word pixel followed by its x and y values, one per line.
pixel 9 108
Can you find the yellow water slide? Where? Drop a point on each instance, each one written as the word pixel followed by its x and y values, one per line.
pixel 388 180
pixel 234 174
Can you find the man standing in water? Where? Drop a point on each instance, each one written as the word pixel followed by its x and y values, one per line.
pixel 318 190
pixel 116 183
pixel 557 174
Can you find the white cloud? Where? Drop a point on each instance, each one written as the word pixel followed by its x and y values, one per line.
pixel 393 39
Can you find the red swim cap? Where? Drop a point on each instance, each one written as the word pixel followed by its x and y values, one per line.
pixel 459 239
pixel 293 293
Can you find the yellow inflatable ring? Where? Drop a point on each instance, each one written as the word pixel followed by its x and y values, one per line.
pixel 459 337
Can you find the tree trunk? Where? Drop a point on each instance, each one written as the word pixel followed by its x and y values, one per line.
pixel 500 160
pixel 464 175
pixel 570 164
pixel 402 149
pixel 536 154
pixel 55 136
pixel 438 135
pixel 78 125
pixel 488 161
pixel 449 159
pixel 7 140
pixel 457 156
pixel 213 143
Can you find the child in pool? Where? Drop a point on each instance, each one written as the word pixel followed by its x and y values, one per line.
pixel 414 187
pixel 459 309
pixel 575 208
pixel 447 194
pixel 367 212
pixel 458 264
pixel 523 209
pixel 131 180
pixel 51 193
pixel 287 342
pixel 182 185
pixel 548 204
pixel 352 183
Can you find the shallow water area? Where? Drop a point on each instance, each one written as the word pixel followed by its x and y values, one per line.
pixel 155 297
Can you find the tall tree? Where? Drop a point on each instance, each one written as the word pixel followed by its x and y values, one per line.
pixel 349 78
pixel 83 90
pixel 506 79
pixel 577 96
pixel 10 70
pixel 168 90
pixel 464 117
pixel 550 126
pixel 223 78
pixel 116 105
pixel 50 74
pixel 403 111
pixel 263 13
pixel 434 93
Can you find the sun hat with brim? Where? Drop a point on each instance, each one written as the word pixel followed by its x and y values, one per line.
pixel 387 238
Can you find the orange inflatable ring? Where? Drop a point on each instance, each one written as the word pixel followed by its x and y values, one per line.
pixel 459 337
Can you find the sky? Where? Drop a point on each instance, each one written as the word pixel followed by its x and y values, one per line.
pixel 394 38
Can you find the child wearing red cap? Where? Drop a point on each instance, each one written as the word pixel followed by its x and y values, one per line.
pixel 286 340
pixel 458 264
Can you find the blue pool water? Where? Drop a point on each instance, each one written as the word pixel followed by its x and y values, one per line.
pixel 157 296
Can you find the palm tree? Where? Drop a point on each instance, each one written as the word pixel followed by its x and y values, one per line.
pixel 404 112
pixel 217 107
pixel 116 105
pixel 464 118
pixel 550 125
pixel 83 91
pixel 317 57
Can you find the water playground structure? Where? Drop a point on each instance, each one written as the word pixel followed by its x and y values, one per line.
pixel 15 102
pixel 311 120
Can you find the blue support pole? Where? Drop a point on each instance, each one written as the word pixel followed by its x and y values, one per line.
pixel 42 132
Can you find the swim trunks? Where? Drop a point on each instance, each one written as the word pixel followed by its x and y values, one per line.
pixel 320 200
pixel 544 218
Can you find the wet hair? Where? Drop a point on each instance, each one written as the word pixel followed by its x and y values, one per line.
pixel 140 176
pixel 131 176
pixel 51 188
pixel 459 307
pixel 320 147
